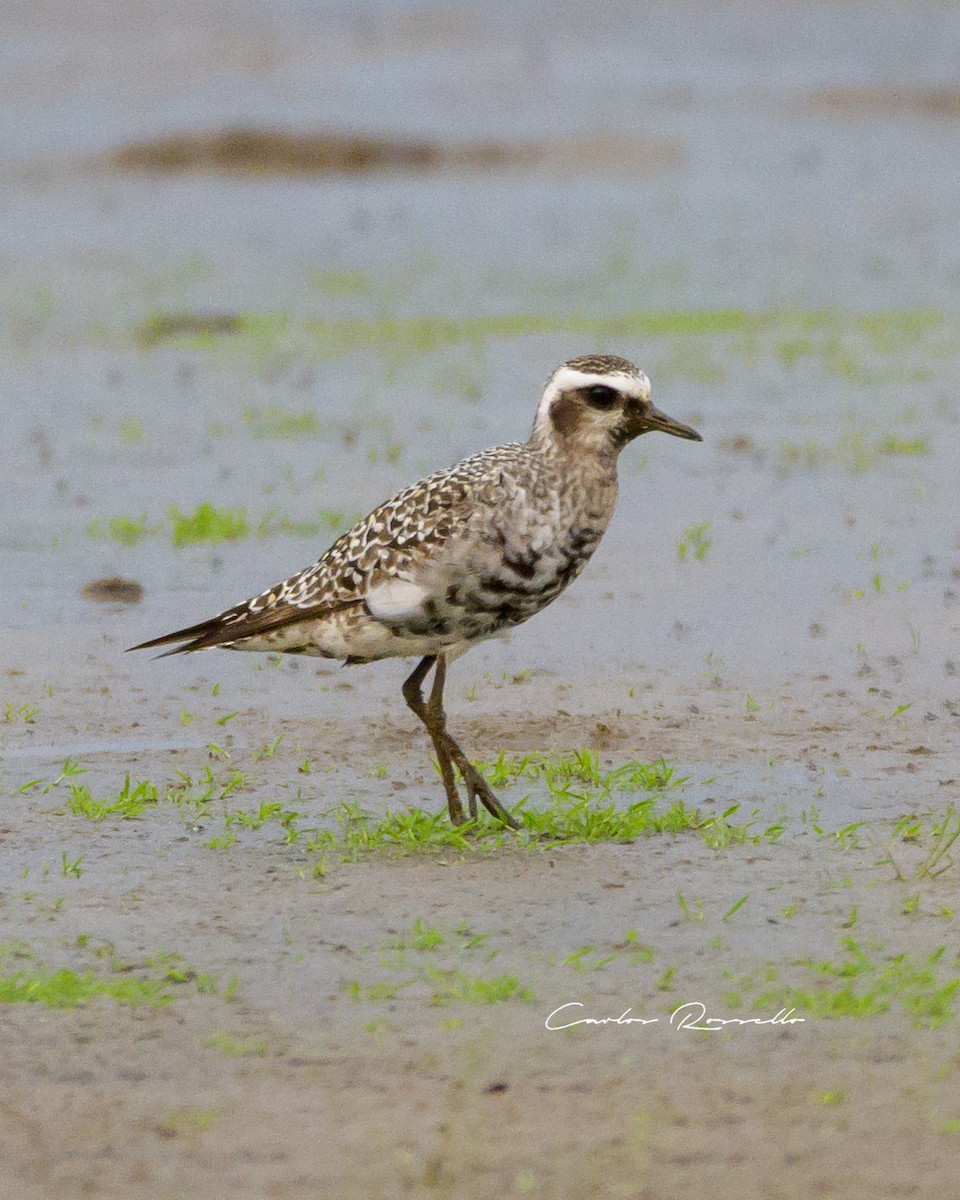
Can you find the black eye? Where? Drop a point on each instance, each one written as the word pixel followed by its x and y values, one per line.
pixel 599 396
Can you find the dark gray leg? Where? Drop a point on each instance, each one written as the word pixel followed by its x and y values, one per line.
pixel 476 784
pixel 436 722
pixel 448 752
pixel 414 698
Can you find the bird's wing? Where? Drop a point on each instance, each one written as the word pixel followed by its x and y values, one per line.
pixel 371 564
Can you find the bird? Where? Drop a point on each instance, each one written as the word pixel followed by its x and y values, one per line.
pixel 462 555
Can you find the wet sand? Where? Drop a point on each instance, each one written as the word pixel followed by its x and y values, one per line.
pixel 774 613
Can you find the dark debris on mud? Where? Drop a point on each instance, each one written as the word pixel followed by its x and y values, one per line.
pixel 265 151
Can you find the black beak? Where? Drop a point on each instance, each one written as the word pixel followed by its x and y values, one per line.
pixel 653 418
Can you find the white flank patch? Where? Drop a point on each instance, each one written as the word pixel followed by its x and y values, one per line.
pixel 396 600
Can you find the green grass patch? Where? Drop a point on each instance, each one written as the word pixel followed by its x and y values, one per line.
pixel 695 542
pixel 569 775
pixel 908 447
pixel 328 521
pixel 421 937
pixel 855 984
pixel 198 328
pixel 131 801
pixel 207 524
pixel 855 449
pixel 586 802
pixel 14 713
pixel 153 984
pixel 67 989
pixel 237 1047
pixel 929 843
pixel 409 831
pixel 189 1119
pixel 378 992
pixel 274 423
pixel 436 961
pixel 212 525
pixel 454 986
pixel 595 958
pixel 127 531
pixel 859 348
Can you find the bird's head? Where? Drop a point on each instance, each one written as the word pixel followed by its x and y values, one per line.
pixel 600 403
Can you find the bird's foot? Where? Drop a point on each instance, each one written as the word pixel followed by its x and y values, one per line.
pixel 478 788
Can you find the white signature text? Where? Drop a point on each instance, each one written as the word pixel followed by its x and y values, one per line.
pixel 692 1015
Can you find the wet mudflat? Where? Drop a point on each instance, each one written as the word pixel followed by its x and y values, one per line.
pixel 238 951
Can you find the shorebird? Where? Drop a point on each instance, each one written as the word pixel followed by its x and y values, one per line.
pixel 459 556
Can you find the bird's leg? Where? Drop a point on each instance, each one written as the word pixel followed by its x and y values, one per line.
pixel 476 784
pixel 414 698
pixel 436 721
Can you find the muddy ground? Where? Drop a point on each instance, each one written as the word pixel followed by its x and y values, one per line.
pixel 219 987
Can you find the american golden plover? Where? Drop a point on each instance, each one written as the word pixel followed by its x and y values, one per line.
pixel 461 555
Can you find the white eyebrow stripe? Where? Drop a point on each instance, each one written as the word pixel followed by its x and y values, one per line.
pixel 568 379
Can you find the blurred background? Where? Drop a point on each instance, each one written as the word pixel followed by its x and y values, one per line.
pixel 263 263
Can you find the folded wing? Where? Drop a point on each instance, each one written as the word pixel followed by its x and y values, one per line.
pixel 372 565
